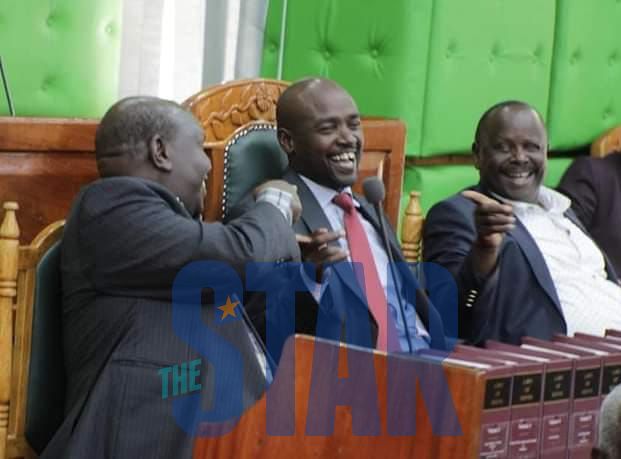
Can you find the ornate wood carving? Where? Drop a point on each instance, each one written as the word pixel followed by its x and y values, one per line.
pixel 223 109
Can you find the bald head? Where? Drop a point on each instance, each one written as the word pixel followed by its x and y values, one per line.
pixel 295 100
pixel 489 116
pixel 128 126
pixel 157 140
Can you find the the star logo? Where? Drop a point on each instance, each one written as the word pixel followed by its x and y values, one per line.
pixel 228 308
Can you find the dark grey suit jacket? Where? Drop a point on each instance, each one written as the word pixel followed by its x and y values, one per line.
pixel 124 243
pixel 594 186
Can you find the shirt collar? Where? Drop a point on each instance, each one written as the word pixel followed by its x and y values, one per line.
pixel 325 195
pixel 548 199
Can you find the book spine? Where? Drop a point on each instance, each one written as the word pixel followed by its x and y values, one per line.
pixel 525 416
pixel 495 418
pixel 556 406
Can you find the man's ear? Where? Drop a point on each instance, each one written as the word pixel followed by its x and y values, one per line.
pixel 475 154
pixel 159 154
pixel 285 140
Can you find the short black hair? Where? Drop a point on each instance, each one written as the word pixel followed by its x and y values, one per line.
pixel 131 122
pixel 481 125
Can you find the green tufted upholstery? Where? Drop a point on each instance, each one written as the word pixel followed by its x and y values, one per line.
pixel 251 157
pixel 585 97
pixel 482 52
pixel 441 63
pixel 61 56
pixel 372 49
pixel 46 382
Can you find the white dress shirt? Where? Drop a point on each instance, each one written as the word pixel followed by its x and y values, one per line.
pixel 590 302
pixel 335 216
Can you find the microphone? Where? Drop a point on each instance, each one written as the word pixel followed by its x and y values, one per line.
pixel 374 192
pixel 7 93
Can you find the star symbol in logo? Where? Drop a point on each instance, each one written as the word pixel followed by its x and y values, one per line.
pixel 228 308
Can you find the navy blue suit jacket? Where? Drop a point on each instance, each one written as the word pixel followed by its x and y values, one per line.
pixel 343 300
pixel 517 299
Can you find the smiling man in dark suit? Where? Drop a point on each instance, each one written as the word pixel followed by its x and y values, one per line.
pixel 522 261
pixel 319 128
pixel 127 237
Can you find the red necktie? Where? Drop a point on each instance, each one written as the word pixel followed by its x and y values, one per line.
pixel 360 250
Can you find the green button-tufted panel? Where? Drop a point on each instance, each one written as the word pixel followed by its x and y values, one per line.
pixel 585 97
pixel 61 56
pixel 482 52
pixel 372 49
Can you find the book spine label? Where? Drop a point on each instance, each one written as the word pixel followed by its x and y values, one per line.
pixel 495 418
pixel 525 406
pixel 583 422
pixel 555 428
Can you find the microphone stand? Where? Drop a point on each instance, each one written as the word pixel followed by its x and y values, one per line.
pixel 391 262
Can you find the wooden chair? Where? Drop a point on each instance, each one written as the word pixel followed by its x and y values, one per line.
pixel 608 142
pixel 32 373
pixel 232 111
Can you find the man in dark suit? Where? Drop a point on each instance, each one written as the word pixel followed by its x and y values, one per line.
pixel 594 186
pixel 523 263
pixel 126 319
pixel 319 128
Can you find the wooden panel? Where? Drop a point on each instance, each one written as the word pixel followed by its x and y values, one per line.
pixel 249 438
pixel 43 164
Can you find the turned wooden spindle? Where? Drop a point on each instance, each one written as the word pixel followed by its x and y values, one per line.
pixel 412 229
pixel 9 249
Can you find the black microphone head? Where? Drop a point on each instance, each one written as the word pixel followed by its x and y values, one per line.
pixel 373 189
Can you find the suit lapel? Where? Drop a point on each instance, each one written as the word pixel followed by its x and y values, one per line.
pixel 535 258
pixel 533 255
pixel 610 271
pixel 313 218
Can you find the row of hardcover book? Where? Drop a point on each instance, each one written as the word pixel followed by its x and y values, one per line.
pixel 542 398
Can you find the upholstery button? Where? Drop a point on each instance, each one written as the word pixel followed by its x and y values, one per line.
pixel 109 29
pixel 612 60
pixel 374 52
pixel 575 56
pixel 327 54
pixel 47 83
pixel 450 49
pixel 273 47
pixel 50 20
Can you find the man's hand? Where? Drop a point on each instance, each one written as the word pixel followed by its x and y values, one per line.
pixel 492 220
pixel 296 204
pixel 316 249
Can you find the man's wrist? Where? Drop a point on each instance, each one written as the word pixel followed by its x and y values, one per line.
pixel 280 199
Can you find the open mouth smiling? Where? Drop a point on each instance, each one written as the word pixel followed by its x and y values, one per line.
pixel 344 162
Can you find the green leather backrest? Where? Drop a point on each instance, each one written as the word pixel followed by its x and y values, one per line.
pixel 372 47
pixel 253 156
pixel 482 52
pixel 585 97
pixel 439 64
pixel 61 56
pixel 46 382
